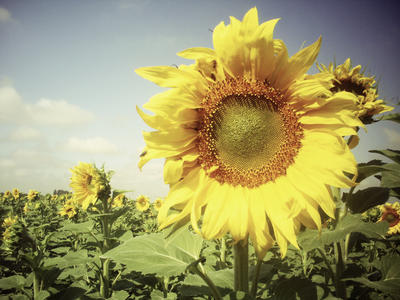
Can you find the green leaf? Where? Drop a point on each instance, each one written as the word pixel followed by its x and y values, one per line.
pixel 153 253
pixel 158 295
pixel 119 295
pixel 390 281
pixel 43 295
pixel 70 293
pixel 392 117
pixel 12 282
pixel 79 257
pixel 363 200
pixel 296 288
pixel 239 295
pixel 389 153
pixel 311 239
pixel 368 169
pixel 221 278
pixel 391 177
pixel 79 227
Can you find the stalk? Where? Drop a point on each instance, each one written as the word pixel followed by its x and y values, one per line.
pixel 223 250
pixel 339 285
pixel 253 291
pixel 105 264
pixel 208 281
pixel 241 266
pixel 36 285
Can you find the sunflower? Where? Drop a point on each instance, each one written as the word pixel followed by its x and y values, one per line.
pixel 87 183
pixel 251 142
pixel 118 201
pixel 7 194
pixel 32 194
pixel 391 214
pixel 68 209
pixel 158 203
pixel 9 221
pixel 15 193
pixel 142 203
pixel 354 80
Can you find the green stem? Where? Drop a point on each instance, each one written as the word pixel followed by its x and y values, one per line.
pixel 339 284
pixel 241 266
pixel 223 250
pixel 105 269
pixel 207 280
pixel 105 279
pixel 253 291
pixel 36 285
pixel 323 255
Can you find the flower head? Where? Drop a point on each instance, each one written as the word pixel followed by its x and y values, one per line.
pixel 87 183
pixel 118 201
pixel 251 142
pixel 158 203
pixel 7 194
pixel 15 193
pixel 32 195
pixel 354 80
pixel 391 214
pixel 142 203
pixel 68 209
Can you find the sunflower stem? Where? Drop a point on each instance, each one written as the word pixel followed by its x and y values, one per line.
pixel 223 250
pixel 253 291
pixel 241 266
pixel 214 290
pixel 339 284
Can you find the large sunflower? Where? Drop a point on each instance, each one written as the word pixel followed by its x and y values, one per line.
pixel 251 142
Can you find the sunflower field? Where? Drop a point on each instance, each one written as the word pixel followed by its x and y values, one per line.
pixel 266 199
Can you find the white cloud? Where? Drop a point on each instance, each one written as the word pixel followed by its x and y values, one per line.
pixel 12 109
pixel 44 112
pixel 25 134
pixel 96 145
pixel 393 137
pixel 5 15
pixel 58 112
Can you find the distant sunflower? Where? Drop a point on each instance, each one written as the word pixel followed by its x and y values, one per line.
pixel 142 203
pixel 391 214
pixel 118 201
pixel 15 193
pixel 32 195
pixel 251 142
pixel 68 209
pixel 354 80
pixel 7 194
pixel 86 183
pixel 158 203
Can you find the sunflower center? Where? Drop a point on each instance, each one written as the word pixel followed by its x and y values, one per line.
pixel 248 134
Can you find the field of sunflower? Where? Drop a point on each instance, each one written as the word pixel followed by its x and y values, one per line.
pixel 263 200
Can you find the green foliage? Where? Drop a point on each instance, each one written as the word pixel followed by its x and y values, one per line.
pixel 153 253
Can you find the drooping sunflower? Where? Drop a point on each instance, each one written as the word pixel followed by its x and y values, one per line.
pixel 87 183
pixel 158 203
pixel 252 144
pixel 142 203
pixel 355 81
pixel 391 214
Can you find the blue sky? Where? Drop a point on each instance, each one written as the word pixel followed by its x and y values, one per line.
pixel 68 89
